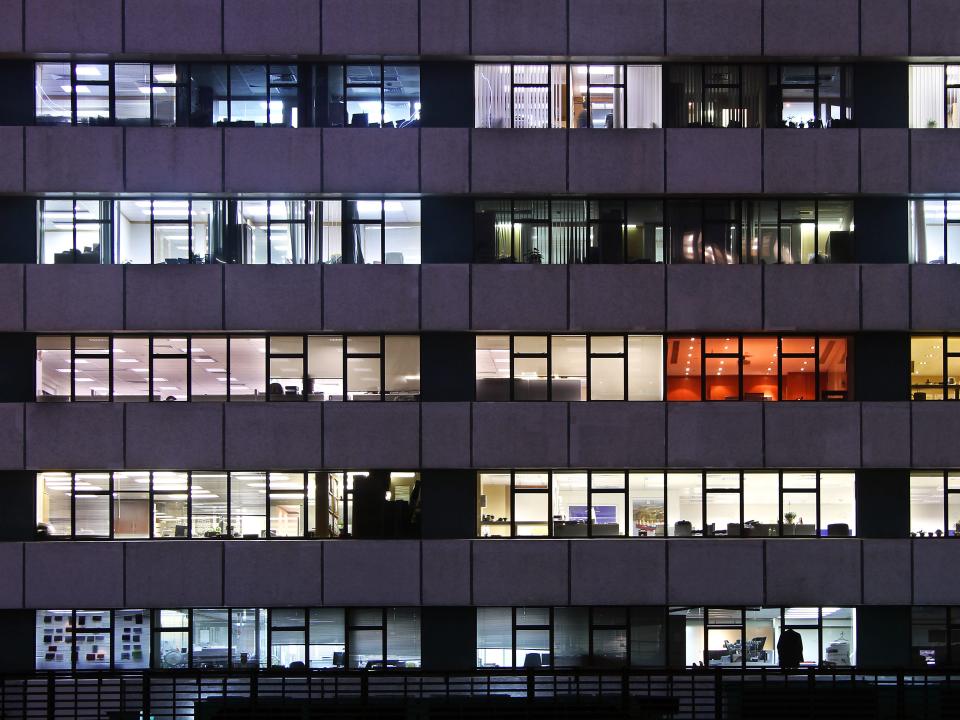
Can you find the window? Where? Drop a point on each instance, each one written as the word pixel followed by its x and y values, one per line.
pixel 936 636
pixel 568 367
pixel 934 367
pixel 145 94
pixel 934 504
pixel 935 231
pixel 237 368
pixel 811 96
pixel 767 637
pixel 369 96
pixel 567 96
pixel 244 95
pixel 570 504
pixel 934 96
pixel 142 504
pixel 251 232
pixel 719 96
pixel 92 639
pixel 757 368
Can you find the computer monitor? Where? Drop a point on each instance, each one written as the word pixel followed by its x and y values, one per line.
pixel 578 513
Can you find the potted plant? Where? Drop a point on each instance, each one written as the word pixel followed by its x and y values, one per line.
pixel 789 528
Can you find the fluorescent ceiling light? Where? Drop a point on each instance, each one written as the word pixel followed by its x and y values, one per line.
pixel 88 71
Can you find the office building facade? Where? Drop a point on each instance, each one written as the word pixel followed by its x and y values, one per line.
pixel 539 354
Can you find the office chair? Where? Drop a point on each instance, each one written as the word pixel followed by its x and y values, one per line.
pixel 532 660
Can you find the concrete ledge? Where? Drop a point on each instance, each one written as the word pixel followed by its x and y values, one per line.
pixel 812 434
pixel 371 298
pixel 934 295
pixel 818 161
pixel 617 434
pixel 715 28
pixel 618 572
pixel 371 435
pixel 12 423
pixel 520 572
pixel 370 27
pixel 278 27
pixel 11 153
pixel 11 570
pixel 632 161
pixel 173 27
pixel 11 296
pixel 709 298
pixel 87 575
pixel 371 160
pixel 446 572
pixel 519 297
pixel 805 572
pixel 178 160
pixel 281 298
pixel 75 436
pixel 714 160
pixel 887 572
pixel 715 572
pixel 273 160
pixel 931 585
pixel 74 297
pixel 275 436
pixel 814 28
pixel 519 161
pixel 715 435
pixel 823 298
pixel 520 435
pixel 175 435
pixel 73 26
pixel 371 572
pixel 250 577
pixel 74 159
pixel 174 298
pixel 519 27
pixel 172 573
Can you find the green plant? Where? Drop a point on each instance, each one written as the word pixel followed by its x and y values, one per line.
pixel 790 517
pixel 931 123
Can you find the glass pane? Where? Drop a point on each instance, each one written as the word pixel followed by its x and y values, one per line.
pixel 288 508
pixel 53 93
pixel 927 85
pixel 363 378
pixel 131 82
pixel 131 369
pixel 606 378
pixel 530 378
pixel 760 369
pixel 493 368
pixel 647 637
pixel 570 505
pixel 647 504
pixel 403 638
pixel 799 513
pixel 327 638
pixel 532 513
pixel 683 360
pixel 248 505
pixel 91 639
pixel 54 493
pixel 210 639
pixel 494 637
pixel 837 504
pixel 325 367
pixel 247 378
pixel 53 368
pixel 761 505
pixel 208 495
pixel 569 356
pixel 571 638
pixel 402 365
pixel 248 95
pixel 131 639
pixel 401 244
pixel 254 226
pixel 494 505
pixel 492 96
pixel 926 369
pixel 926 504
pixel 366 648
pixel 684 503
pixel 533 648
pixel 248 630
pixel 131 505
pixel 286 378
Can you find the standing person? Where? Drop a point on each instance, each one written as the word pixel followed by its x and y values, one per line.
pixel 583 119
pixel 790 649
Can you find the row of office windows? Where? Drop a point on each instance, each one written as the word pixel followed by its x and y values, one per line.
pixel 517 95
pixel 506 637
pixel 133 505
pixel 532 230
pixel 533 637
pixel 222 94
pixel 249 231
pixel 221 368
pixel 655 367
pixel 762 504
pixel 234 638
pixel 713 232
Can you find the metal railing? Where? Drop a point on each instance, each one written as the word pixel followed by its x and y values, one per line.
pixel 688 694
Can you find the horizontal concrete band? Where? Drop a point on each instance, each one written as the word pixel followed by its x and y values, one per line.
pixel 643 571
pixel 459 160
pixel 493 27
pixel 402 436
pixel 479 298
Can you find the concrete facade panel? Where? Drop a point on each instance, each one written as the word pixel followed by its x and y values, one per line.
pixel 885 297
pixel 519 161
pixel 884 160
pixel 616 27
pixel 884 27
pixel 274 160
pixel 11 154
pixel 703 297
pixel 714 160
pixel 520 572
pixel 273 297
pixel 804 573
pixel 618 572
pixel 11 570
pixel 519 297
pixel 934 296
pixel 174 159
pixel 519 27
pixel 173 26
pixel 365 160
pixel 273 435
pixel 11 27
pixel 178 297
pixel 610 298
pixel 278 27
pixel 886 434
pixel 811 162
pixel 76 26
pixel 811 297
pixel 445 160
pixel 88 575
pixel 446 434
pixel 370 27
pixel 812 434
pixel 371 435
pixel 444 27
pixel 520 435
pixel 78 436
pixel 816 27
pixel 715 572
pixel 617 434
pixel 371 572
pixel 173 573
pixel 446 572
pixel 715 435
pixel 632 161
pixel 74 297
pixel 887 572
pixel 74 159
pixel 934 156
pixel 11 296
pixel 246 564
pixel 444 297
pixel 931 585
pixel 934 26
pixel 174 434
pixel 11 436
pixel 935 426
pixel 371 298
pixel 719 27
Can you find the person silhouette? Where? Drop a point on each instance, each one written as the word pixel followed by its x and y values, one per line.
pixel 790 649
